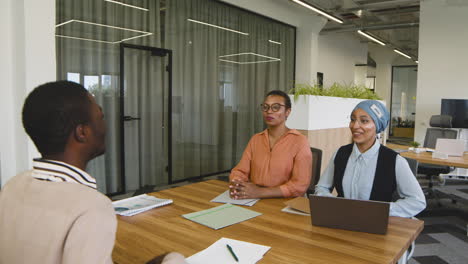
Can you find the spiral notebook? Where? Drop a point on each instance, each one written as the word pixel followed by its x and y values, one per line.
pixel 138 204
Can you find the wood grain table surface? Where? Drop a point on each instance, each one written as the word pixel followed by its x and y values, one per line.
pixel 291 237
pixel 426 157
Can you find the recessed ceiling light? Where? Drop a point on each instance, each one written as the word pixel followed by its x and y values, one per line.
pixel 321 12
pixel 216 26
pixel 127 5
pixel 274 42
pixel 371 37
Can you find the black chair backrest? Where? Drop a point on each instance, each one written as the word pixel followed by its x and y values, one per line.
pixel 413 164
pixel 444 121
pixel 433 133
pixel 439 129
pixel 316 167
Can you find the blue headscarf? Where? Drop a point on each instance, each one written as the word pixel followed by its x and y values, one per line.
pixel 377 112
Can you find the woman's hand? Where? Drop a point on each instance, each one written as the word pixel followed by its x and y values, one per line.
pixel 244 190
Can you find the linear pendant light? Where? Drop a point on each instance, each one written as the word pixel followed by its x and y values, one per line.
pixel 371 37
pixel 143 33
pixel 402 54
pixel 127 5
pixel 216 26
pixel 317 10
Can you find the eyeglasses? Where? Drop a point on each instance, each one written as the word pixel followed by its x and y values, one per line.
pixel 274 107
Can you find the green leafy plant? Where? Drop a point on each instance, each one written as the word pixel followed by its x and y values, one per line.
pixel 414 144
pixel 336 90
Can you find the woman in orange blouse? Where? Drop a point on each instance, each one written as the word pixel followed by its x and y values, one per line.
pixel 277 162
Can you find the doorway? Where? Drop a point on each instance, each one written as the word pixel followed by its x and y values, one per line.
pixel 403 103
pixel 145 116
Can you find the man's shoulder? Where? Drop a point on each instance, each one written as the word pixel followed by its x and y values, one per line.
pixel 82 196
pixel 63 194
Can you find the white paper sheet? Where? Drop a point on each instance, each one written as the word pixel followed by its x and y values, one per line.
pixel 218 253
pixel 225 198
pixel 291 210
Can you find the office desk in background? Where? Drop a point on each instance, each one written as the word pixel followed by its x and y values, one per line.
pixel 292 237
pixel 426 157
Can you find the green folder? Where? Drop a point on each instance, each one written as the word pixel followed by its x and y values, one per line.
pixel 221 216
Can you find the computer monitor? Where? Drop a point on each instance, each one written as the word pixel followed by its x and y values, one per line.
pixel 458 109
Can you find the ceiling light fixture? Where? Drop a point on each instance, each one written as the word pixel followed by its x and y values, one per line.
pixel 132 6
pixel 318 10
pixel 274 42
pixel 87 39
pixel 216 26
pixel 143 33
pixel 402 54
pixel 371 37
pixel 248 62
pixel 270 59
pixel 249 53
pixel 416 61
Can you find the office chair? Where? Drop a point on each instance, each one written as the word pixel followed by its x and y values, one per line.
pixel 316 166
pixel 413 164
pixel 440 128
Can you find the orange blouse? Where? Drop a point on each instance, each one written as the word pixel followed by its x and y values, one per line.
pixel 288 165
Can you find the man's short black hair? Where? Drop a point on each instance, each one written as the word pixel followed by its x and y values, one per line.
pixel 287 100
pixel 52 111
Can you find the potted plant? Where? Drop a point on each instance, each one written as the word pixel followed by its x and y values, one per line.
pixel 415 147
pixel 318 108
pixel 402 128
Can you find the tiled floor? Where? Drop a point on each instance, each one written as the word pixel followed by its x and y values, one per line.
pixel 444 238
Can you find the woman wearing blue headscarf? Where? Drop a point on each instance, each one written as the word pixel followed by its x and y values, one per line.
pixel 366 170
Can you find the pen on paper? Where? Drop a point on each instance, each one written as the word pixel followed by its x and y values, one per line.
pixel 232 252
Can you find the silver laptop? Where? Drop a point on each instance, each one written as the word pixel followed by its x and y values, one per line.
pixel 451 147
pixel 349 214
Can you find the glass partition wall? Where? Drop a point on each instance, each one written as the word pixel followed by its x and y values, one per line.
pixel 403 102
pixel 224 61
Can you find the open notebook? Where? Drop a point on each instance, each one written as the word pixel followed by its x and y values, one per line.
pixel 138 204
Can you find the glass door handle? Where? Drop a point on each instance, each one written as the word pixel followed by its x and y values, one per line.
pixel 130 118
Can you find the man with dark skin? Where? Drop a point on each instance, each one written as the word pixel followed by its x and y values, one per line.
pixel 53 213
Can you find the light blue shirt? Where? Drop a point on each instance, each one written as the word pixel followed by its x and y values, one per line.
pixel 358 180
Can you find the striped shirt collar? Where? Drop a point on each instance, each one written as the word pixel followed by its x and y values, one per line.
pixel 57 171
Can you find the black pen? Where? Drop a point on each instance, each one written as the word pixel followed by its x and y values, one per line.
pixel 232 252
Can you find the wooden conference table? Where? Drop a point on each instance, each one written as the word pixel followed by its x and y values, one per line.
pixel 426 157
pixel 292 237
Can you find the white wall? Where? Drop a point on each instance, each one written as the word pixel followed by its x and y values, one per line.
pixel 337 55
pixel 443 58
pixel 28 59
pixel 384 58
pixel 360 75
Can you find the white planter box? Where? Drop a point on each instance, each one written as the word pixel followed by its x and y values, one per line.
pixel 312 112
